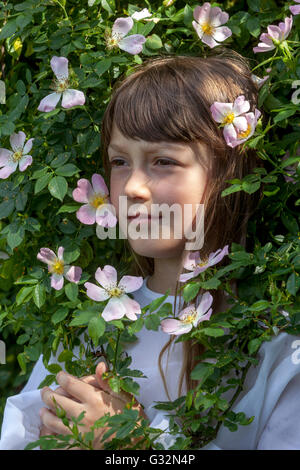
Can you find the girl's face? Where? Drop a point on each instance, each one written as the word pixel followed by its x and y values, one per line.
pixel 148 173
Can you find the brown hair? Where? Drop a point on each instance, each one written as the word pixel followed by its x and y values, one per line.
pixel 168 98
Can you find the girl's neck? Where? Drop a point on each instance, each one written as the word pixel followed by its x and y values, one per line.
pixel 166 272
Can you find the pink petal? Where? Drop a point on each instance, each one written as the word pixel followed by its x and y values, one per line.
pixel 205 303
pixel 240 123
pixel 219 18
pixel 198 29
pixel 57 281
pixel 131 306
pixel 295 9
pixel 275 32
pixel 204 317
pixel 221 33
pixel 107 277
pixel 72 98
pixel 185 277
pixel 122 26
pixel 7 170
pixel 266 38
pixel 86 214
pixel 263 48
pixel 60 253
pixel 209 40
pixel 130 283
pixel 241 105
pixel 216 257
pixel 286 26
pixel 220 110
pixel 5 156
pixel 201 13
pixel 73 274
pixel 116 309
pixel 105 217
pixel 229 133
pixel 99 185
pixel 49 102
pixel 28 146
pixel 84 191
pixel 24 162
pixel 17 141
pixel 46 256
pixel 191 260
pixel 132 44
pixel 174 327
pixel 59 66
pixel 95 292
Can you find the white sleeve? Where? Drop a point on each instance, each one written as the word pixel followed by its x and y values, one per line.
pixel 21 420
pixel 282 431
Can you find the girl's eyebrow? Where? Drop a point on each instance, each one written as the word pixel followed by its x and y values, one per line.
pixel 153 148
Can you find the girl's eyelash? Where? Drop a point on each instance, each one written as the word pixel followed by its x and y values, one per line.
pixel 170 162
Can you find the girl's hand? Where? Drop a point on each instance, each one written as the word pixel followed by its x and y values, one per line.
pixel 77 395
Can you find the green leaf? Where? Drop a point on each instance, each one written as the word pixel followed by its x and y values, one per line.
pixel 8 29
pixel 102 66
pixel 254 344
pixel 58 187
pixel 71 291
pixel 284 115
pixel 259 305
pixel 215 332
pixel 54 368
pixel 68 208
pixel 67 170
pixel 6 208
pixel 39 295
pixel 293 283
pixel 22 362
pixel 59 315
pixel 190 291
pixel 156 303
pixel 152 322
pixel 24 295
pixel 202 371
pixel 96 328
pixel 42 182
pixel 23 338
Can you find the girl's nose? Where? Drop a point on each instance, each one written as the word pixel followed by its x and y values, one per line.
pixel 137 185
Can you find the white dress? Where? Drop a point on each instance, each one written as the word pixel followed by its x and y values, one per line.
pixel 271 393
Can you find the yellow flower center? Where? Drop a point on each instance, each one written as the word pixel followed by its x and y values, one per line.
pixel 113 41
pixel 207 28
pixel 202 263
pixel 244 134
pixel 229 118
pixel 61 85
pixel 115 292
pixel 58 267
pixel 97 201
pixel 189 317
pixel 17 156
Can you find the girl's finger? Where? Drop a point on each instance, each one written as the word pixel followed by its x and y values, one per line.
pixel 71 407
pixel 52 423
pixel 104 385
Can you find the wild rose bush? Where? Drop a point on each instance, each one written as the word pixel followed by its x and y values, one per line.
pixel 59 61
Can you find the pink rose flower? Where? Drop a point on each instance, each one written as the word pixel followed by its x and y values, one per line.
pixel 119 304
pixel 275 36
pixel 58 268
pixel 10 160
pixel 208 24
pixel 196 265
pixel 70 97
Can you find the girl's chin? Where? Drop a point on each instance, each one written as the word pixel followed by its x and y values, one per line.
pixel 157 248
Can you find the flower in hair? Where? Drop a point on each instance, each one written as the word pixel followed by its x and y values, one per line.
pixel 194 263
pixel 275 37
pixel 231 116
pixel 58 268
pixel 132 44
pixel 189 317
pixel 96 201
pixel 61 86
pixel 18 156
pixel 120 304
pixel 241 136
pixel 208 24
pixel 295 9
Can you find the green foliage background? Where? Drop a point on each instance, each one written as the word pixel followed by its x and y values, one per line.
pixel 36 206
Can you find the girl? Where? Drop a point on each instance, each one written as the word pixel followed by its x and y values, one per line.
pixel 160 144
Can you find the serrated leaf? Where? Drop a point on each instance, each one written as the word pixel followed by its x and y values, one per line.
pixel 96 328
pixel 59 315
pixel 39 295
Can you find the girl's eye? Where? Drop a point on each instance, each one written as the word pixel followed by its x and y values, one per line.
pixel 116 162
